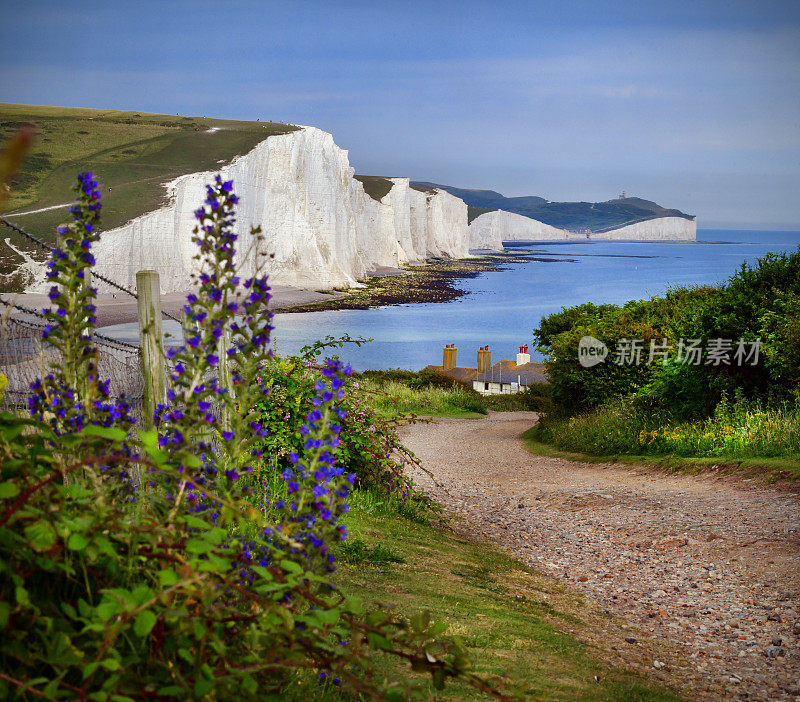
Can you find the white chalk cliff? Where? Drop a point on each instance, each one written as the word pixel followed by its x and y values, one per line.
pixel 320 227
pixel 491 229
pixel 658 229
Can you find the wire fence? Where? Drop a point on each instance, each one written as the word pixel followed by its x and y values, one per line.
pixel 47 247
pixel 25 356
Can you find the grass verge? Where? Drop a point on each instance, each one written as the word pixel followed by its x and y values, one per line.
pixel 391 398
pixel 770 470
pixel 432 394
pixel 515 622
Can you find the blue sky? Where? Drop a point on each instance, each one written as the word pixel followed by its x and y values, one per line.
pixel 693 104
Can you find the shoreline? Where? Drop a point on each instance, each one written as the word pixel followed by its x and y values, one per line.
pixel 432 281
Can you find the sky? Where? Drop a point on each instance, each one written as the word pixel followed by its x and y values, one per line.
pixel 695 105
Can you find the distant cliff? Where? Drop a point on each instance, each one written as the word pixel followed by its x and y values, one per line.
pixel 491 229
pixel 573 216
pixel 658 229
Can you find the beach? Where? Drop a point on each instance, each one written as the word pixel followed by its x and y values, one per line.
pixel 121 307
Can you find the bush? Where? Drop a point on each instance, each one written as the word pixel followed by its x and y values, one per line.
pixel 415 380
pixel 368 446
pixel 762 301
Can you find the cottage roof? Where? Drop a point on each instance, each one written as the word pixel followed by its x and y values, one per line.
pixel 526 374
pixel 463 375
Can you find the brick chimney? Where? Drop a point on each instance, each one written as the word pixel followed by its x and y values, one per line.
pixel 523 356
pixel 484 359
pixel 450 352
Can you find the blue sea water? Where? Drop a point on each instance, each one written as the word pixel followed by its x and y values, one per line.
pixel 501 308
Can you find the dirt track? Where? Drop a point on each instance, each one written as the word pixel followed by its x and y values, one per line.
pixel 710 563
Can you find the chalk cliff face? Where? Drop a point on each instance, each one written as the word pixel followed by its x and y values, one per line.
pixel 320 229
pixel 490 230
pixel 659 229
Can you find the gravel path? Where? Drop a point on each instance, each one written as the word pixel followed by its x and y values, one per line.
pixel 710 564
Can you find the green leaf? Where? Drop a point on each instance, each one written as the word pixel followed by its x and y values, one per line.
pixel 144 623
pixel 41 535
pixel 327 616
pixel 291 566
pixel 378 641
pixel 195 522
pixel 202 686
pixel 22 597
pixel 171 691
pixel 8 490
pixel 110 664
pixel 263 572
pixel 105 432
pixel 192 461
pixel 77 542
pixel 5 613
pixel 107 609
pixel 157 454
pixel 142 594
pixel 167 578
pixel 149 439
pixel 197 546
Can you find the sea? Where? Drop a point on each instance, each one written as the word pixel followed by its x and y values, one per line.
pixel 502 308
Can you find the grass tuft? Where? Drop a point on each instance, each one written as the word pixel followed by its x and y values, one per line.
pixel 356 550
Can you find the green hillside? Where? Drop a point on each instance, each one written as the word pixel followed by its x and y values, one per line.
pixel 575 216
pixel 376 187
pixel 131 153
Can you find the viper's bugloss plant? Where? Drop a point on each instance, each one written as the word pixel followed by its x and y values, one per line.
pixel 189 591
pixel 72 395
pixel 216 386
pixel 369 445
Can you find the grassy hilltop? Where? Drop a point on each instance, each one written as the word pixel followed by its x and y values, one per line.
pixel 132 154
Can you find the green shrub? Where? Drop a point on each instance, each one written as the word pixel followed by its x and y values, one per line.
pixel 761 301
pixel 415 379
pixel 369 446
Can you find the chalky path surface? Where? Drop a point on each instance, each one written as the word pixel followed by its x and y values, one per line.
pixel 709 563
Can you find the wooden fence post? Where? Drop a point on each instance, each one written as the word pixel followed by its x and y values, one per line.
pixel 225 378
pixel 151 339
